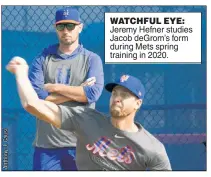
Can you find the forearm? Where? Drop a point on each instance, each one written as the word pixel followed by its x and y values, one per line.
pixel 26 92
pixel 74 93
pixel 43 110
pixel 57 99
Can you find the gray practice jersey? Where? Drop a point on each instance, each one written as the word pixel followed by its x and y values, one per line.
pixel 101 146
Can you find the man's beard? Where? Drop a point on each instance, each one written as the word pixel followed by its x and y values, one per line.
pixel 116 113
pixel 68 42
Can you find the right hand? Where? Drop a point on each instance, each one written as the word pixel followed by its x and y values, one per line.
pixel 17 65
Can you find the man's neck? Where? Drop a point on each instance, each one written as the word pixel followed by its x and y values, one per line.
pixel 124 124
pixel 68 49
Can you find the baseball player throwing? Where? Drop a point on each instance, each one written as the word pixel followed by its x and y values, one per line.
pixel 115 143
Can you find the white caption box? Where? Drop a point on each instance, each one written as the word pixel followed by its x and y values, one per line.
pixel 165 41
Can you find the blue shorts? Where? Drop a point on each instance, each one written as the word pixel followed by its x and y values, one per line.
pixel 59 159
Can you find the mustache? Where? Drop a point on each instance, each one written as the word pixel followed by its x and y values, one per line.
pixel 65 36
pixel 116 104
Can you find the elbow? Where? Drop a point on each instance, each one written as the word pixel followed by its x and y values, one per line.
pixel 29 107
pixel 42 111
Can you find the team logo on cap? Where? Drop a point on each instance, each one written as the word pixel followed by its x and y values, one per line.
pixel 66 13
pixel 124 78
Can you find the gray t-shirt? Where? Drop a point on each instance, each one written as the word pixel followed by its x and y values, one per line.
pixel 101 146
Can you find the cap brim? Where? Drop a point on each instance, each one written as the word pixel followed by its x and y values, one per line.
pixel 68 21
pixel 109 87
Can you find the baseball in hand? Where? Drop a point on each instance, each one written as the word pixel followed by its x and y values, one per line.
pixel 17 64
pixel 18 60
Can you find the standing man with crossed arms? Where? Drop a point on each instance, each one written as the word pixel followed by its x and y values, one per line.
pixel 64 74
pixel 115 143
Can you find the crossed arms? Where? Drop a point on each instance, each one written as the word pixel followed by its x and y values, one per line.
pixel 59 93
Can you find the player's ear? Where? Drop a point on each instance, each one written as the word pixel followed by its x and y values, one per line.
pixel 138 104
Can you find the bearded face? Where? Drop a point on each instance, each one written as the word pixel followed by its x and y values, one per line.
pixel 123 102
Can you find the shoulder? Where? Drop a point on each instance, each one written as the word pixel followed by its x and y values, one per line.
pixel 152 144
pixel 93 113
pixel 51 49
pixel 84 111
pixel 40 58
pixel 91 55
pixel 83 115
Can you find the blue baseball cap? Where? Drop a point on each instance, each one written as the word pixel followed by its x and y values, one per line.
pixel 131 83
pixel 67 15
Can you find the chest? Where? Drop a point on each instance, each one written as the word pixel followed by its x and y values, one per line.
pixel 69 72
pixel 110 150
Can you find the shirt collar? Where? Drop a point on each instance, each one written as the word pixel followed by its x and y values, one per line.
pixel 54 50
